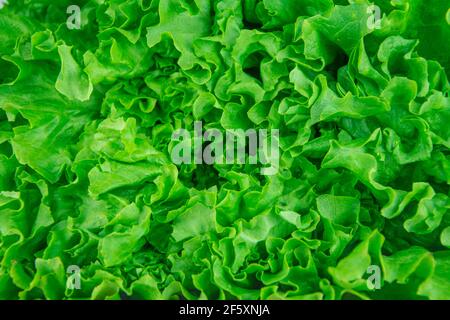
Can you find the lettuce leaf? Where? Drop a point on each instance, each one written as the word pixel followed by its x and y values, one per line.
pixel 87 181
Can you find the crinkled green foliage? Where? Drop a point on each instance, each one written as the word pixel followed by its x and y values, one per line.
pixel 86 118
